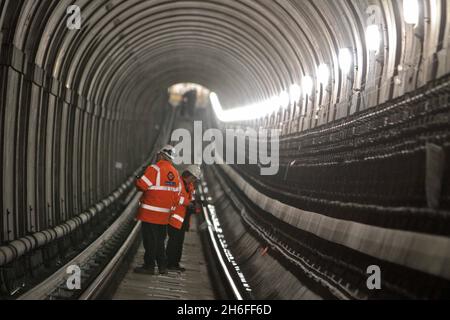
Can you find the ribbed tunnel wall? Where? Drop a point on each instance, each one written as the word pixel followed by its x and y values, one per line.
pixel 80 108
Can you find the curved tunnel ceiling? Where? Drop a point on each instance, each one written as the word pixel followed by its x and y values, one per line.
pixel 246 51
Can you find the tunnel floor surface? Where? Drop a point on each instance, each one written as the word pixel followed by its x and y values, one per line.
pixel 194 284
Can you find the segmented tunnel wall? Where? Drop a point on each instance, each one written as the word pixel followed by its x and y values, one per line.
pixel 63 147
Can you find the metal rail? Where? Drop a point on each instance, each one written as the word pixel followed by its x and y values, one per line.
pixel 99 285
pixel 89 261
pixel 233 277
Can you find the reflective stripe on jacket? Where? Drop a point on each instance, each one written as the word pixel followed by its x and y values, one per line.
pixel 179 214
pixel 161 186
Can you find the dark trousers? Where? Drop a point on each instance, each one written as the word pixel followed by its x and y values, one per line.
pixel 153 237
pixel 174 246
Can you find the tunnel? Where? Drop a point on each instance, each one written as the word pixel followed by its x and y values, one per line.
pixel 353 96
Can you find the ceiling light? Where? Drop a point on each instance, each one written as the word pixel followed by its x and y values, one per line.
pixel 307 84
pixel 323 74
pixel 411 11
pixel 345 60
pixel 373 38
pixel 284 99
pixel 294 92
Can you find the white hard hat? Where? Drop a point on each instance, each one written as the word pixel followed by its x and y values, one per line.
pixel 169 152
pixel 195 171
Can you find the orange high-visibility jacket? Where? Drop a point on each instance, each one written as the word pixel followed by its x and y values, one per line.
pixel 179 214
pixel 162 187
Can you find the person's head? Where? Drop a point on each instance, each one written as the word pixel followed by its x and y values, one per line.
pixel 167 153
pixel 192 174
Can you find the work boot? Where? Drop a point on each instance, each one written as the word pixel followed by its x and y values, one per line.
pixel 163 271
pixel 145 270
pixel 176 268
pixel 181 269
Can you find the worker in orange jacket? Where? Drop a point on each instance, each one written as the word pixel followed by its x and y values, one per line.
pixel 161 194
pixel 180 218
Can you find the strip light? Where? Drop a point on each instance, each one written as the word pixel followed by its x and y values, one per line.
pixel 250 112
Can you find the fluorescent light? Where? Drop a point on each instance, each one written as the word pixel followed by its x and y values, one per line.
pixel 247 113
pixel 256 110
pixel 275 103
pixel 307 84
pixel 284 99
pixel 345 60
pixel 373 38
pixel 323 74
pixel 261 109
pixel 294 93
pixel 411 11
pixel 217 107
pixel 250 112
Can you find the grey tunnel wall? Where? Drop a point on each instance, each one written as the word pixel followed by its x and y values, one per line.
pixel 64 147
